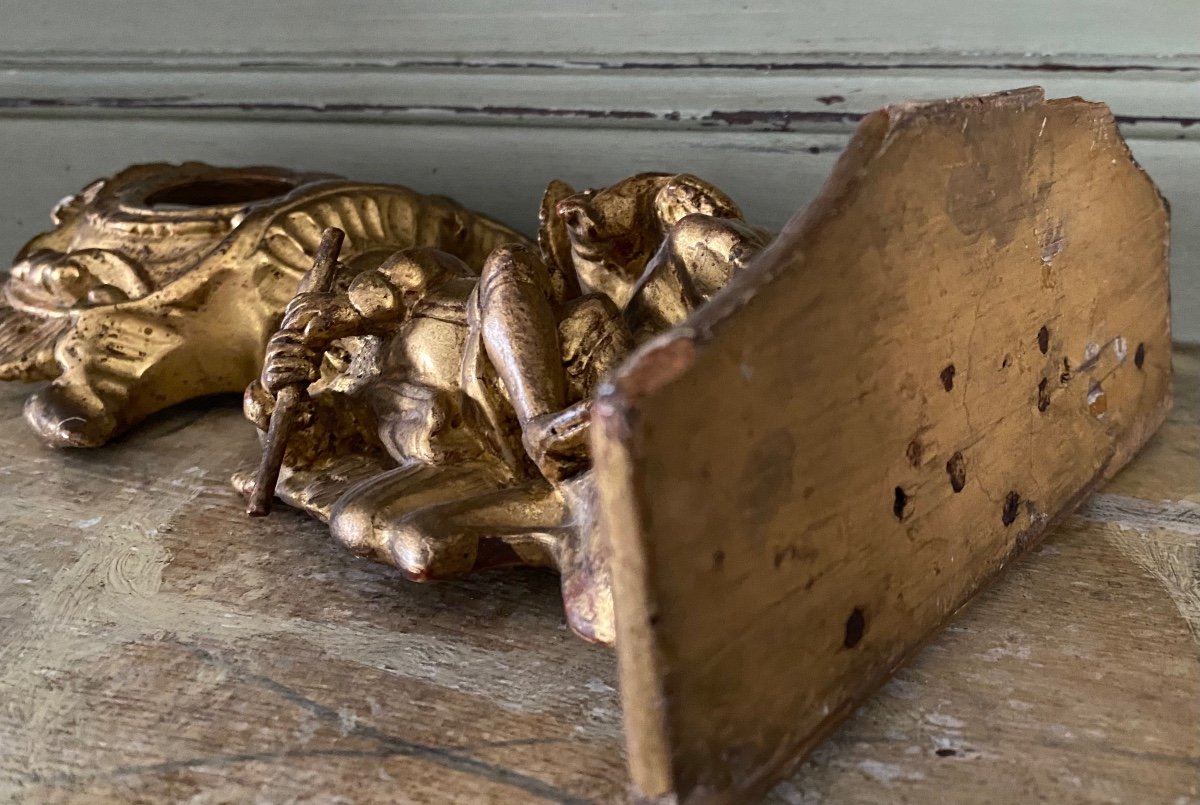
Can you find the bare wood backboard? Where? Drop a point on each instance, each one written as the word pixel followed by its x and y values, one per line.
pixel 965 332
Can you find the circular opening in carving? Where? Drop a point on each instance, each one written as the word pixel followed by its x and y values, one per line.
pixel 217 193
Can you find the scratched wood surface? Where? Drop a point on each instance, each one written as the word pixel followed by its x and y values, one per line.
pixel 157 646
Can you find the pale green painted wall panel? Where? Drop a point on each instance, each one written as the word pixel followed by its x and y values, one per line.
pixel 403 29
pixel 488 100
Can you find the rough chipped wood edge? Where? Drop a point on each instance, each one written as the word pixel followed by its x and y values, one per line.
pixel 617 436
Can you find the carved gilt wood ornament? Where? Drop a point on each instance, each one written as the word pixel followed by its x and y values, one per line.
pixel 163 283
pixel 446 423
pixel 767 469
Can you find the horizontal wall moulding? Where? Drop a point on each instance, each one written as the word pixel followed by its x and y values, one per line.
pixel 800 121
pixel 1159 104
pixel 741 62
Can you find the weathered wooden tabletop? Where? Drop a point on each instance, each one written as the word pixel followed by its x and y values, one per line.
pixel 156 645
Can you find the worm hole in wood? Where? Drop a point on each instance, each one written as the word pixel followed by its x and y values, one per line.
pixel 899 503
pixel 947 377
pixel 956 468
pixel 1012 504
pixel 1043 394
pixel 856 624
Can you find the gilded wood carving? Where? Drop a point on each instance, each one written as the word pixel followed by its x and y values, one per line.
pixel 447 421
pixel 163 283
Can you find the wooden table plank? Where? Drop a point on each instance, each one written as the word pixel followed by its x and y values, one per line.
pixel 155 645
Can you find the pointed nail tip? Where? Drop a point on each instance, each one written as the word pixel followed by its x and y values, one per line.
pixel 257 509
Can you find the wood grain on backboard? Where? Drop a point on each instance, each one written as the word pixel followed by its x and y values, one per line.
pixel 962 335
